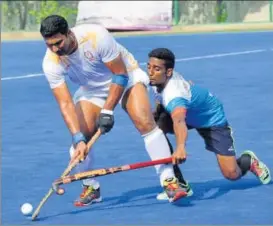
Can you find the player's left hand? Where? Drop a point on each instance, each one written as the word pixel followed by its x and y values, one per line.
pixel 106 121
pixel 180 155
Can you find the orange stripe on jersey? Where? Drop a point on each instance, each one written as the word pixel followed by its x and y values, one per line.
pixel 54 58
pixel 90 36
pixel 133 65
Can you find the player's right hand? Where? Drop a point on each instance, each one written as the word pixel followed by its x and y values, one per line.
pixel 80 152
pixel 180 155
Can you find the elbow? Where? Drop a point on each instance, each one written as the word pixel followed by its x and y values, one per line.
pixel 180 122
pixel 122 71
pixel 180 125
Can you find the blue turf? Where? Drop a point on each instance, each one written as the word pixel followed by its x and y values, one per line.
pixel 35 140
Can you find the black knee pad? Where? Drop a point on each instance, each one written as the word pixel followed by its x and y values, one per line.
pixel 244 163
pixel 165 123
pixel 163 119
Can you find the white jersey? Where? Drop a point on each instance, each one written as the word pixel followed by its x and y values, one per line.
pixel 85 66
pixel 177 86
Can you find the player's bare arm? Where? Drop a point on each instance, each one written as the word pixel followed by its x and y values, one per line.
pixel 68 112
pixel 119 82
pixel 67 108
pixel 181 131
pixel 120 79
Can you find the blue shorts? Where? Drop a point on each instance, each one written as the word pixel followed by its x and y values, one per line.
pixel 218 139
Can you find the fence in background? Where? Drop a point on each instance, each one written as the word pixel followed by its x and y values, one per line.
pixel 26 15
pixel 212 12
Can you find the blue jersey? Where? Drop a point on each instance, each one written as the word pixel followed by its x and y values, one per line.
pixel 203 108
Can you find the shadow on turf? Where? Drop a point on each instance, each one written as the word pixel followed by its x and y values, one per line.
pixel 134 198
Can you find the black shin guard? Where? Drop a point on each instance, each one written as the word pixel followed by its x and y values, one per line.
pixel 244 163
pixel 177 172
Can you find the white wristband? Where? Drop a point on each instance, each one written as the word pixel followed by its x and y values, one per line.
pixel 108 112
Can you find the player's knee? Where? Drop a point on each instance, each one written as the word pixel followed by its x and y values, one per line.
pixel 231 174
pixel 229 167
pixel 166 128
pixel 144 124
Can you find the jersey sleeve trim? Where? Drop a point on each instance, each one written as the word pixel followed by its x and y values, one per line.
pixel 177 102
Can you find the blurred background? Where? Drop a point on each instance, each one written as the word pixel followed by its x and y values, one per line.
pixel 128 15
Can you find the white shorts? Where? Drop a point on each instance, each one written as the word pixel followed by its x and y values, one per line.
pixel 98 97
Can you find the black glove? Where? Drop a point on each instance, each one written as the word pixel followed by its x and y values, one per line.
pixel 106 121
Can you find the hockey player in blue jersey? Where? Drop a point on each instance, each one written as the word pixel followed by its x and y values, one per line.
pixel 182 106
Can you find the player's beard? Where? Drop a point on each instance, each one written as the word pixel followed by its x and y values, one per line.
pixel 64 51
pixel 159 85
pixel 152 81
pixel 70 47
pixel 61 53
pixel 152 84
pixel 73 44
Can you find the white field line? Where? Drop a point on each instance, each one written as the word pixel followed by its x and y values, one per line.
pixel 218 55
pixel 177 60
pixel 21 77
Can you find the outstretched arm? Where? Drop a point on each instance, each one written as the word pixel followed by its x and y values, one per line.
pixel 55 73
pixel 69 114
pixel 179 126
pixel 67 108
pixel 181 132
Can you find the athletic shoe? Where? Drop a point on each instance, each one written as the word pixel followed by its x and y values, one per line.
pixel 258 168
pixel 163 195
pixel 173 189
pixel 88 196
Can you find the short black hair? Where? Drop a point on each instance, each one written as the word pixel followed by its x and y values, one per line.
pixel 164 54
pixel 53 25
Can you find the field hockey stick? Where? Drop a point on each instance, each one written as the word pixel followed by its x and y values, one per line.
pixel 105 171
pixel 65 173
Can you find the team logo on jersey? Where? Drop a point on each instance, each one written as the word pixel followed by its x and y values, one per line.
pixel 88 55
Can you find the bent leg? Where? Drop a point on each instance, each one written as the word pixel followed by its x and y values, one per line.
pixel 219 140
pixel 248 161
pixel 137 105
pixel 88 111
pixel 252 163
pixel 229 167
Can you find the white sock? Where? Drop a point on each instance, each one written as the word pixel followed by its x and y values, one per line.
pixel 157 147
pixel 85 166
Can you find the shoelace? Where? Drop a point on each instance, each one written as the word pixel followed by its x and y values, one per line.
pixel 173 186
pixel 86 191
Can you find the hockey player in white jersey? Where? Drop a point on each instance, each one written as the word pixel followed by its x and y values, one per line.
pixel 106 74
